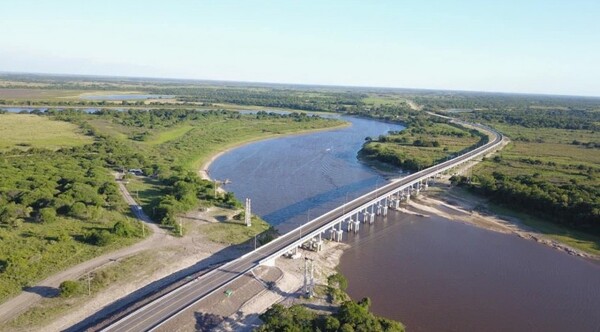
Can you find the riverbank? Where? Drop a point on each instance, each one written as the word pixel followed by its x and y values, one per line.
pixel 207 161
pixel 454 204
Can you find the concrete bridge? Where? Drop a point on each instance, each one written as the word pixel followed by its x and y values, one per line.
pixel 331 225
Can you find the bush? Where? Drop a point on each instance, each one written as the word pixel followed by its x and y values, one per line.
pixel 69 288
pixel 124 229
pixel 47 215
pixel 78 210
pixel 99 237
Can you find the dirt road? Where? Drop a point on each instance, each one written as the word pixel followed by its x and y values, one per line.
pixel 49 286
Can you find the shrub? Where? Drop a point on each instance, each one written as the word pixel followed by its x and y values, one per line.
pixel 69 288
pixel 47 215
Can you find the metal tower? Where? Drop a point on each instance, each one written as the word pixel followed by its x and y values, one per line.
pixel 309 277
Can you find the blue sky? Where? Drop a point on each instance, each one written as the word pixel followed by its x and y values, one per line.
pixel 511 46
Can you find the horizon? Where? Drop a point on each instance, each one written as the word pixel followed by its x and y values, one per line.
pixel 538 47
pixel 260 83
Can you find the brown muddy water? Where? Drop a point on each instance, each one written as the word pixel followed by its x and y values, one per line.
pixel 433 274
pixel 428 272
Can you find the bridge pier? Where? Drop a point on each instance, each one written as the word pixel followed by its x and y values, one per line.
pixel 365 216
pixel 356 226
pixel 340 236
pixel 350 225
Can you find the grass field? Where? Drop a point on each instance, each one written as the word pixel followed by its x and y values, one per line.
pixel 384 99
pixel 146 191
pixel 234 232
pixel 169 135
pixel 547 152
pixel 39 94
pixel 24 130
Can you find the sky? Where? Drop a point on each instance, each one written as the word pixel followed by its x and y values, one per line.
pixel 525 46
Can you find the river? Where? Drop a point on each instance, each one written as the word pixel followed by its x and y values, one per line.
pixel 428 272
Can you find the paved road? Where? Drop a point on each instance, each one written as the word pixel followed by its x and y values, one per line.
pixel 153 314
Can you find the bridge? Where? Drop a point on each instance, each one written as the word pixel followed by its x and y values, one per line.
pixel 331 225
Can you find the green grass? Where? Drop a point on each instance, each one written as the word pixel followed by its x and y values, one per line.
pixel 234 231
pixel 169 135
pixel 146 191
pixel 559 160
pixel 25 130
pixel 384 99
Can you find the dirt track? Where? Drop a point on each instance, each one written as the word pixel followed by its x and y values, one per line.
pixel 49 286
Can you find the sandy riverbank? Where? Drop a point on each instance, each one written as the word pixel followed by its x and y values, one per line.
pixel 451 206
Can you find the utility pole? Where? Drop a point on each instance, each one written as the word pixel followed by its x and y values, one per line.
pixel 89 284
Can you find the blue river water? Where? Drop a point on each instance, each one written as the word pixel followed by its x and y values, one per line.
pixel 292 178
